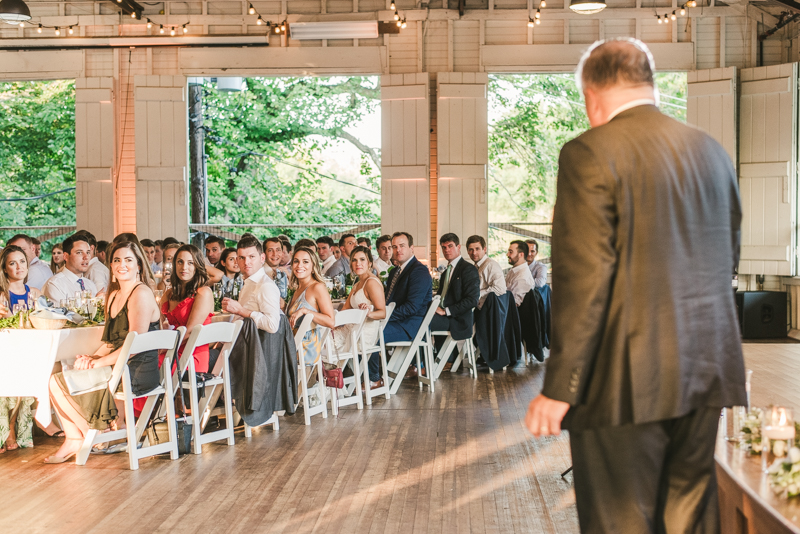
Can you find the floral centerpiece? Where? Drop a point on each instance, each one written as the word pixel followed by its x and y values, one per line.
pixel 784 474
pixel 751 428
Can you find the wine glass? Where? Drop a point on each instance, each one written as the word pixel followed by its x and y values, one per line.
pixel 3 304
pixel 91 306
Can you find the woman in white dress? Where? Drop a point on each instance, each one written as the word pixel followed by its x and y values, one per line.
pixel 367 294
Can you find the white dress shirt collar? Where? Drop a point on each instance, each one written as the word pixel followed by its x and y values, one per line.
pixel 330 260
pixel 632 104
pixel 454 263
pixel 259 275
pixel 72 277
pixel 403 265
pixel 519 268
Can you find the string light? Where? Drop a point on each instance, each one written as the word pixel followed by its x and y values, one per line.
pixel 399 23
pixel 666 18
pixel 530 22
pixel 39 29
pixel 683 12
pixel 162 29
pixel 659 19
pixel 252 10
pixel 283 26
pixel 133 15
pixel 543 4
pixel 392 6
pixel 673 16
pixel 69 31
pixel 538 21
pixel 404 24
pixel 259 21
pixel 149 24
pixel 185 29
pixel 396 16
pixel 58 31
pixel 538 14
pixel 277 29
pixel 172 31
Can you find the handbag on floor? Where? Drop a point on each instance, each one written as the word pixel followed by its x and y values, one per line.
pixel 332 373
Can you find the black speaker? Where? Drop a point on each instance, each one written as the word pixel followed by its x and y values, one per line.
pixel 762 314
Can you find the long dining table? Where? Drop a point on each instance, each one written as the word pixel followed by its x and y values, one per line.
pixel 27 358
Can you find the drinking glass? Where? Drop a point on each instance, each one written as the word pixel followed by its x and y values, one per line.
pixel 159 293
pixel 20 308
pixel 64 304
pixel 91 307
pixel 777 434
pixel 3 304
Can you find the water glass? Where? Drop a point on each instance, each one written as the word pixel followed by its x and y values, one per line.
pixel 3 304
pixel 91 307
pixel 777 434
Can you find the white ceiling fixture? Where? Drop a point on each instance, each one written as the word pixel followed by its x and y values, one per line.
pixel 362 29
pixel 587 7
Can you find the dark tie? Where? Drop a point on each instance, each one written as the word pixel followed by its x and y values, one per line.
pixel 445 285
pixel 394 282
pixel 80 283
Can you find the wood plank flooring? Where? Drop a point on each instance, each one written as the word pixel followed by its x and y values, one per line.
pixel 459 460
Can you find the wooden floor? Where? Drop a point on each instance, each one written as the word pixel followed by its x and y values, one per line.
pixel 459 460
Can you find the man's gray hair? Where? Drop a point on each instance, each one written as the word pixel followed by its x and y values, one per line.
pixel 623 60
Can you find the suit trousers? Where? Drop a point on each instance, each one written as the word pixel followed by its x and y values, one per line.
pixel 392 333
pixel 649 478
pixel 441 323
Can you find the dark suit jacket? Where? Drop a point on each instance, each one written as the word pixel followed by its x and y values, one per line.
pixel 462 296
pixel 412 296
pixel 645 239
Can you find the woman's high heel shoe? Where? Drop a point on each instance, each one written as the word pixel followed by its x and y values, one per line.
pixel 62 459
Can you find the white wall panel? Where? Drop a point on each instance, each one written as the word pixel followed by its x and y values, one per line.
pixel 94 155
pixel 405 157
pixel 711 106
pixel 584 31
pixel 161 154
pixel 466 46
pixel 707 42
pixel 462 143
pixel 768 169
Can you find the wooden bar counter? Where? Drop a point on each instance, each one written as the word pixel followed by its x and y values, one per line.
pixel 747 503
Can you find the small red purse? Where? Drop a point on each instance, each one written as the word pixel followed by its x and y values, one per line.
pixel 334 378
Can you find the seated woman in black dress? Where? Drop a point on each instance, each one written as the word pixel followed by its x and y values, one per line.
pixel 130 307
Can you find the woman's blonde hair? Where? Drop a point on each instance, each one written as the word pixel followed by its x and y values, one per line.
pixel 145 273
pixel 4 283
pixel 316 272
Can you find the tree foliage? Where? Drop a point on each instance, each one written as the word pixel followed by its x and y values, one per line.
pixel 262 146
pixel 37 152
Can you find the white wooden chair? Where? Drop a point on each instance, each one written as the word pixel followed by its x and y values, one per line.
pixel 468 350
pixel 347 396
pixel 405 351
pixel 222 332
pixel 168 340
pixel 367 351
pixel 447 347
pixel 302 374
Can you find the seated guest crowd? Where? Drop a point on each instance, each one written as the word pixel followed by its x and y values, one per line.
pixel 276 279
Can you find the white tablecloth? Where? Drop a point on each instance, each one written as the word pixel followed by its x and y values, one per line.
pixel 27 358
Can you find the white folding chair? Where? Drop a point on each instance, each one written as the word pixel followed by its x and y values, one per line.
pixel 367 351
pixel 222 332
pixel 322 407
pixel 405 351
pixel 345 397
pixel 447 347
pixel 168 340
pixel 468 350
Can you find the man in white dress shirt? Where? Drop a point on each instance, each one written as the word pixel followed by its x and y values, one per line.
pixel 325 253
pixel 489 271
pixel 260 298
pixel 384 261
pixel 519 279
pixel 98 272
pixel 538 269
pixel 71 279
pixel 38 271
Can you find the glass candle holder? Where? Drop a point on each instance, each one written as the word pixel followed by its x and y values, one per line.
pixel 777 434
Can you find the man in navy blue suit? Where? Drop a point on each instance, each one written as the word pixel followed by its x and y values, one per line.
pixel 410 287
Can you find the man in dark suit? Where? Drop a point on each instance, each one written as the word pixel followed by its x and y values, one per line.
pixel 409 286
pixel 645 349
pixel 460 288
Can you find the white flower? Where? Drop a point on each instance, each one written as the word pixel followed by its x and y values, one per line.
pixel 794 455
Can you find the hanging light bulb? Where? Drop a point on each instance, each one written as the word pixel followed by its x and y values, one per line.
pixel 682 12
pixel 396 16
pixel 666 18
pixel 259 20
pixel 161 30
pixel 58 32
pixel 252 10
pixel 673 16
pixel 277 29
pixel 530 22
pixel 39 29
pixel 392 6
pixel 149 24
pixel 283 26
pixel 21 24
pixel 185 29
pixel 133 15
pixel 404 24
pixel 538 21
pixel 538 14
pixel 69 31
pixel 543 4
pixel 659 19
pixel 172 31
pixel 399 23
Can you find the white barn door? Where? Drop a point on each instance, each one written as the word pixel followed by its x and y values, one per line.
pixel 94 156
pixel 405 157
pixel 768 169
pixel 711 106
pixel 463 144
pixel 161 130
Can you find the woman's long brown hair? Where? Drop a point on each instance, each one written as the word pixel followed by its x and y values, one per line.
pixel 183 290
pixel 4 283
pixel 145 273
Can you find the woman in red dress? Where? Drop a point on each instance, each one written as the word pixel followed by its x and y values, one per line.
pixel 188 302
